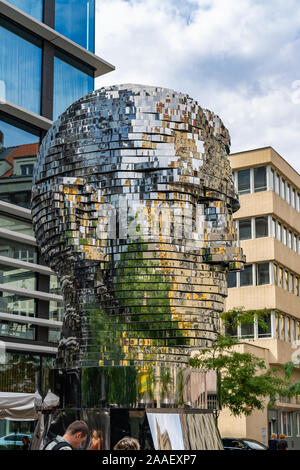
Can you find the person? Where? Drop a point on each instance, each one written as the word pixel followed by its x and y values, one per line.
pixel 282 444
pixel 76 433
pixel 26 443
pixel 127 443
pixel 97 440
pixel 273 442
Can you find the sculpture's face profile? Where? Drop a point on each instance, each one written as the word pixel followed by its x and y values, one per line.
pixel 132 207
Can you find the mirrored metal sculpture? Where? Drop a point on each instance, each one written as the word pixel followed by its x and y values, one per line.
pixel 132 207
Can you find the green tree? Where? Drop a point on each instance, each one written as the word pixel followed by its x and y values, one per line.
pixel 245 381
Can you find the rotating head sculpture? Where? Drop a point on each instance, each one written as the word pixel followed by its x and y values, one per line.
pixel 132 207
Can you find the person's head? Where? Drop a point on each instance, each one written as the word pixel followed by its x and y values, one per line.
pixel 76 433
pixel 25 440
pixel 133 187
pixel 274 436
pixel 127 443
pixel 282 436
pixel 97 434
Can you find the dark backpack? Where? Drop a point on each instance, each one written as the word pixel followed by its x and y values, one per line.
pixel 59 445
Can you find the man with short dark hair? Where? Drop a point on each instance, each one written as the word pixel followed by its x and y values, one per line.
pixel 74 436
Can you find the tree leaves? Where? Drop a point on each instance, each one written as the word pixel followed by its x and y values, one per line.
pixel 246 384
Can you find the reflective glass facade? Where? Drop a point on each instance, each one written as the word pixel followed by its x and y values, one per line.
pixel 16 225
pixel 17 304
pixel 17 330
pixel 56 310
pixel 19 371
pixel 18 148
pixel 32 7
pixel 20 66
pixel 15 277
pixel 75 19
pixel 17 250
pixel 71 82
pixel 14 133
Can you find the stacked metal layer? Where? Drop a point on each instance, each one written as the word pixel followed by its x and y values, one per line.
pixel 132 207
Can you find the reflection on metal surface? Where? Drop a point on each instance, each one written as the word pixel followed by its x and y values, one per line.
pixel 156 429
pixel 184 431
pixel 132 207
pixel 128 387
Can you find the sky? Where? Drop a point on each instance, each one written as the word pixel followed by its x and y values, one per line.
pixel 239 58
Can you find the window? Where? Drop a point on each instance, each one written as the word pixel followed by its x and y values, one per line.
pixel 16 225
pixel 245 231
pixel 31 7
pixel 288 329
pixel 286 423
pixel 231 279
pixel 283 188
pixel 54 285
pixel 16 133
pixel 27 170
pixel 247 330
pixel 244 181
pixel 293 198
pixel 290 239
pixel 277 184
pixel 262 274
pixel 261 226
pixel 75 19
pixel 71 82
pixel 293 328
pixel 17 304
pixel 295 286
pixel 17 277
pixel 280 277
pixel 20 372
pixel 56 310
pixel 288 193
pixel 266 331
pixel 294 242
pixel 246 277
pixel 278 232
pixel 275 273
pixel 298 421
pixel 230 329
pixel 17 250
pixel 260 179
pixel 272 180
pixel 20 144
pixel 53 336
pixel 17 330
pixel 22 86
pixel 273 228
pixel 286 279
pixel 284 238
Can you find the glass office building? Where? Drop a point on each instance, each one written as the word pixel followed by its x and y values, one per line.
pixel 47 62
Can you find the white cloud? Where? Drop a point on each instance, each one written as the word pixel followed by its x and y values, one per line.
pixel 237 57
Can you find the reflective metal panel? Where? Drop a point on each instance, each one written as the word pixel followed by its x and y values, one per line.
pixel 132 208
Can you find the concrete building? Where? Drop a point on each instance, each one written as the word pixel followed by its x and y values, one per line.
pixel 47 61
pixel 269 230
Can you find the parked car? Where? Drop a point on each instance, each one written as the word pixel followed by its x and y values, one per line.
pixel 13 441
pixel 232 443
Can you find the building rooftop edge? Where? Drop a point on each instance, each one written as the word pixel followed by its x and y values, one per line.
pixel 265 148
